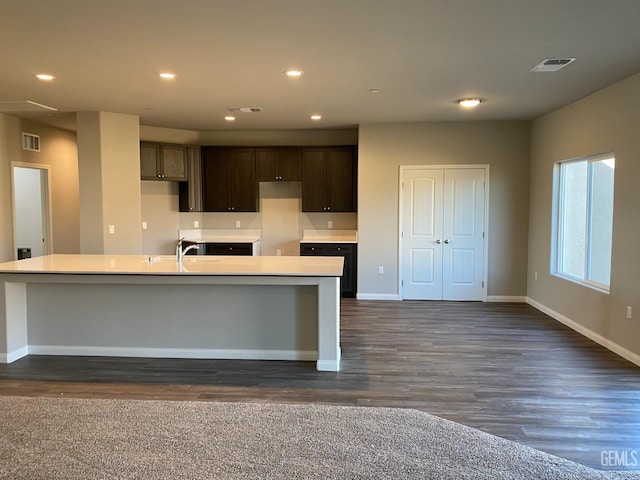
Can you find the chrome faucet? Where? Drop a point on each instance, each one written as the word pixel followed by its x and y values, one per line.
pixel 180 252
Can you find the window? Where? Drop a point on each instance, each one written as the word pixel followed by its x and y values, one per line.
pixel 583 220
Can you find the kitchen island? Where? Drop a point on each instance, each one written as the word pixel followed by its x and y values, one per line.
pixel 232 307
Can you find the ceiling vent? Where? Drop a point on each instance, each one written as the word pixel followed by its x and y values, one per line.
pixel 552 64
pixel 245 109
pixel 23 106
pixel 30 142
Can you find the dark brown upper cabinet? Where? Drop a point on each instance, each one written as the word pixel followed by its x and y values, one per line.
pixel 163 162
pixel 278 164
pixel 229 179
pixel 190 192
pixel 329 179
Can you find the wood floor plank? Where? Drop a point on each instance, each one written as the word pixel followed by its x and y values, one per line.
pixel 506 369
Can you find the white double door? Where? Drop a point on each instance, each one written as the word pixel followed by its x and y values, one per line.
pixel 442 233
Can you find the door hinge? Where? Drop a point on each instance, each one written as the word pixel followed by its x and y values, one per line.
pixel 483 284
pixel 402 283
pixel 482 234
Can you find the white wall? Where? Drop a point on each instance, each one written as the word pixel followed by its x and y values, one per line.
pixel 28 195
pixel 605 121
pixel 384 147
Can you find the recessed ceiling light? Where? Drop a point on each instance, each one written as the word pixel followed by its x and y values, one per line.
pixel 293 73
pixel 469 102
pixel 44 77
pixel 167 75
pixel 316 117
pixel 229 118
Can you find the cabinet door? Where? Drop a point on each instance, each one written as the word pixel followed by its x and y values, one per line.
pixel 242 180
pixel 288 166
pixel 149 161
pixel 190 192
pixel 313 180
pixel 340 179
pixel 215 179
pixel 266 159
pixel 173 159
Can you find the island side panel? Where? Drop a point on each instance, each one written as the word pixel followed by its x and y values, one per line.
pixel 329 324
pixel 13 321
pixel 201 321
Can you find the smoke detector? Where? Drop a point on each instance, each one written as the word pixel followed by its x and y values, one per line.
pixel 245 109
pixel 552 64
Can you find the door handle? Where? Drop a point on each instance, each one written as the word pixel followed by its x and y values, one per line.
pixel 438 242
pixel 448 242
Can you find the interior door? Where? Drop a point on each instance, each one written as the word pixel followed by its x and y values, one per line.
pixel 442 244
pixel 463 242
pixel 422 192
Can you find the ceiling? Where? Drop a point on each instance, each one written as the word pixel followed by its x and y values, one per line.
pixel 422 55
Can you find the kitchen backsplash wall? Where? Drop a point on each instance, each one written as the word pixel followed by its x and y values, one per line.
pixel 280 218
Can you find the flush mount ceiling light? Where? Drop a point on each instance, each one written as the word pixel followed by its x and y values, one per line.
pixel 374 90
pixel 45 77
pixel 167 75
pixel 469 102
pixel 230 118
pixel 316 117
pixel 293 73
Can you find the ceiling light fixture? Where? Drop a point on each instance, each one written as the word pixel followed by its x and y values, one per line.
pixel 45 77
pixel 374 90
pixel 167 75
pixel 316 117
pixel 229 118
pixel 469 102
pixel 293 73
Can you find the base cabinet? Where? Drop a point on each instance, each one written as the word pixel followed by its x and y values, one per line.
pixel 349 279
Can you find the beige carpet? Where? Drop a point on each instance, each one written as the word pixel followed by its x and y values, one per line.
pixel 52 438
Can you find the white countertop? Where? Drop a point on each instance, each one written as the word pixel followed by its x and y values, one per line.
pixel 329 236
pixel 215 235
pixel 167 265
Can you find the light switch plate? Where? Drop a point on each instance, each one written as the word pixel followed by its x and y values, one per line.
pixel 196 224
pixel 237 223
pixel 112 229
pixel 144 225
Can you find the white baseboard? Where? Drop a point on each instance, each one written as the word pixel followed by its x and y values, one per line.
pixel 230 354
pixel 581 329
pixel 378 296
pixel 15 355
pixel 328 365
pixel 506 299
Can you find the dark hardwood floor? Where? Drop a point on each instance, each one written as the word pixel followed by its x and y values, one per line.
pixel 506 369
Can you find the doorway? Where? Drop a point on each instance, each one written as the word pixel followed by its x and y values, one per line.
pixel 443 232
pixel 31 210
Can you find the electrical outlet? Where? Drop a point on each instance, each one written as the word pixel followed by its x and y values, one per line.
pixel 237 223
pixel 144 225
pixel 278 252
pixel 380 270
pixel 196 224
pixel 629 312
pixel 112 229
pixel 535 275
pixel 329 224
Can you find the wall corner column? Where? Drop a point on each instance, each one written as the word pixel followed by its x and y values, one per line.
pixel 109 177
